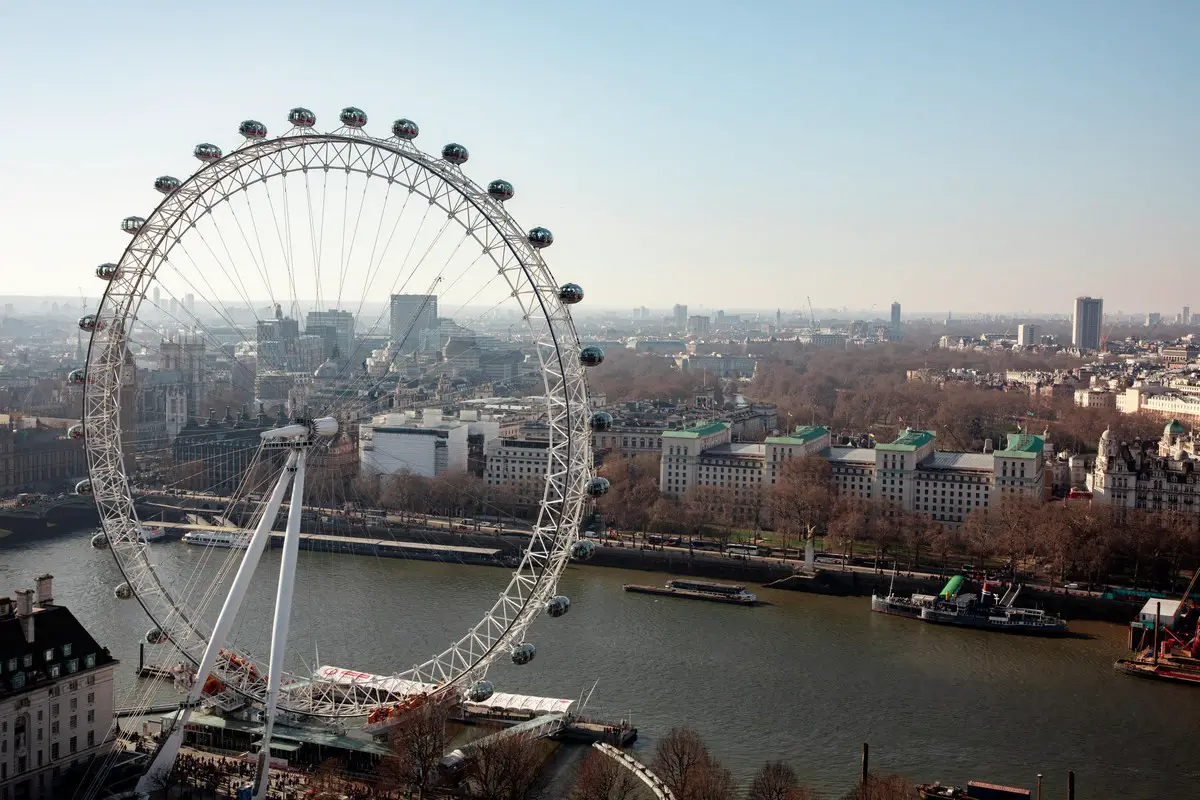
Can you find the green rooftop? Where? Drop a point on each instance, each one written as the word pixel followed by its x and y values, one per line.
pixel 908 441
pixel 803 434
pixel 1023 445
pixel 696 431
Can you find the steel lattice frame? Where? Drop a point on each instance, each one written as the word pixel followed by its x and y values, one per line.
pixel 569 469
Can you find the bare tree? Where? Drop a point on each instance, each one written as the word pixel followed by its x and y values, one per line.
pixel 601 778
pixel 891 787
pixel 508 768
pixel 419 742
pixel 713 782
pixel 680 759
pixel 776 780
pixel 801 499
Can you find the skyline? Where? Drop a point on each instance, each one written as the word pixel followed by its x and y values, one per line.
pixel 907 152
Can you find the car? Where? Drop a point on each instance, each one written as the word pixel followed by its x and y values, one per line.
pixel 1073 586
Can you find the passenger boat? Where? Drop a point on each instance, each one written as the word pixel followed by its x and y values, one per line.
pixel 236 540
pixel 898 605
pixel 974 790
pixel 148 534
pixel 970 611
pixel 699 590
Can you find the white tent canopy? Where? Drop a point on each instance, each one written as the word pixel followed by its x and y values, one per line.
pixel 500 701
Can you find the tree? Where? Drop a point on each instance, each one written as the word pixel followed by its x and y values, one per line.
pixel 892 787
pixel 682 760
pixel 419 742
pixel 327 779
pixel 801 499
pixel 601 778
pixel 776 780
pixel 508 768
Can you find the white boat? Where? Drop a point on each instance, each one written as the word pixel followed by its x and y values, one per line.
pixel 149 534
pixel 237 540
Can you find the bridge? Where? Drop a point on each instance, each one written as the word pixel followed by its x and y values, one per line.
pixel 538 727
pixel 639 770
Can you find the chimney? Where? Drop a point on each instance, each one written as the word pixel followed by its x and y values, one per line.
pixel 45 590
pixel 25 613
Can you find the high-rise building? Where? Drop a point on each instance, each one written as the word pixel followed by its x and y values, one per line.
pixel 697 324
pixel 278 343
pixel 1086 321
pixel 1186 316
pixel 1153 318
pixel 190 300
pixel 336 327
pixel 411 314
pixel 1027 335
pixel 680 316
pixel 895 316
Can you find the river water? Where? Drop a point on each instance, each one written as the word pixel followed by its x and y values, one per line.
pixel 806 679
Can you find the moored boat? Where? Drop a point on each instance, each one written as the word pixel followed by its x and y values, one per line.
pixel 974 790
pixel 237 540
pixel 718 593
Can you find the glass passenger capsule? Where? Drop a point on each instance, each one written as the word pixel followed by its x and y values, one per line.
pixel 166 184
pixel 540 237
pixel 481 691
pixel 83 487
pixel 100 541
pixel 598 487
pixel 558 605
pixel 77 377
pixel 501 190
pixel 107 272
pixel 591 356
pixel 523 653
pixel 601 421
pixel 455 153
pixel 75 431
pixel 405 129
pixel 89 322
pixel 207 151
pixel 155 636
pixel 132 224
pixel 353 117
pixel 302 117
pixel 582 551
pixel 123 592
pixel 570 293
pixel 252 129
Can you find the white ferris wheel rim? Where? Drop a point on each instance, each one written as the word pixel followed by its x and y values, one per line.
pixel 533 582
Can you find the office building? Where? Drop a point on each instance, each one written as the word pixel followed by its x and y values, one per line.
pixel 697 324
pixel 1186 316
pixel 336 328
pixel 679 316
pixel 1086 322
pixel 426 445
pixel 410 315
pixel 1153 318
pixel 56 693
pixel 1027 335
pixel 895 317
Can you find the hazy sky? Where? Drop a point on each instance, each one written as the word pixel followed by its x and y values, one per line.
pixel 969 155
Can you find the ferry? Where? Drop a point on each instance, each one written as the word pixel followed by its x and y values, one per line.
pixel 982 611
pixel 699 590
pixel 237 540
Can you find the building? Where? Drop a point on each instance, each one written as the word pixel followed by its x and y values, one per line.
pixel 515 470
pixel 411 314
pixel 38 458
pixel 336 328
pixel 1027 335
pixel 1186 316
pixel 188 357
pixel 697 325
pixel 215 454
pixel 1153 318
pixel 1087 319
pixel 1154 476
pixel 56 693
pixel 427 444
pixel 907 473
pixel 679 315
pixel 1177 355
pixel 719 366
pixel 161 409
pixel 1094 397
pixel 895 317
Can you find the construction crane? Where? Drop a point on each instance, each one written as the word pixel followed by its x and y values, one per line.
pixel 811 316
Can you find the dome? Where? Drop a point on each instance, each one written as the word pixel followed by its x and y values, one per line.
pixel 328 370
pixel 1174 428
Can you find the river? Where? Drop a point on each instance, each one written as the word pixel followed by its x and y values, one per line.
pixel 806 679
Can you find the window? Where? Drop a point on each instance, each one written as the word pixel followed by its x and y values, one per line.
pixel 55 670
pixel 27 660
pixel 74 703
pixel 18 680
pixel 12 665
pixel 74 722
pixel 74 745
pixel 91 698
pixel 54 710
pixel 89 661
pixel 91 716
pixel 91 740
pixel 66 649
pixel 54 728
pixel 54 751
pixel 49 654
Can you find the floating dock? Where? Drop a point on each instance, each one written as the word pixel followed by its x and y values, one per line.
pixel 390 548
pixel 742 599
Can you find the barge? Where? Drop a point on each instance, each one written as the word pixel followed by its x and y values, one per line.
pixel 699 590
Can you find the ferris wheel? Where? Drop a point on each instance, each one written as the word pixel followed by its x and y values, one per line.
pixel 302 275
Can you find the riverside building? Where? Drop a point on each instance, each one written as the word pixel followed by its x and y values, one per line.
pixel 907 472
pixel 56 693
pixel 1154 476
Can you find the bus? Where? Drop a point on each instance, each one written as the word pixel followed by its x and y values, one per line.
pixel 742 550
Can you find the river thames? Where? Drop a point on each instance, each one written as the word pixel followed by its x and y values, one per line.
pixel 806 679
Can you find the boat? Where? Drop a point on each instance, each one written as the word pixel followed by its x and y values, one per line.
pixel 237 540
pixel 974 790
pixel 898 605
pixel 148 534
pixel 699 590
pixel 983 611
pixel 1173 654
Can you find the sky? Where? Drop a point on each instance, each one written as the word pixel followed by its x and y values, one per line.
pixel 974 156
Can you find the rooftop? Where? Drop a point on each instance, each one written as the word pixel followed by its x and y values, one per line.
pixel 801 435
pixel 698 430
pixel 1023 445
pixel 849 455
pixel 737 450
pixel 908 441
pixel 945 459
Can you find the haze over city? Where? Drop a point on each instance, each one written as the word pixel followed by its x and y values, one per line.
pixel 1007 157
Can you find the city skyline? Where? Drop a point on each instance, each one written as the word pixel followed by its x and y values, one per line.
pixel 909 149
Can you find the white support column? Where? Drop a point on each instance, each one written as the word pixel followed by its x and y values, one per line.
pixel 279 629
pixel 169 749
